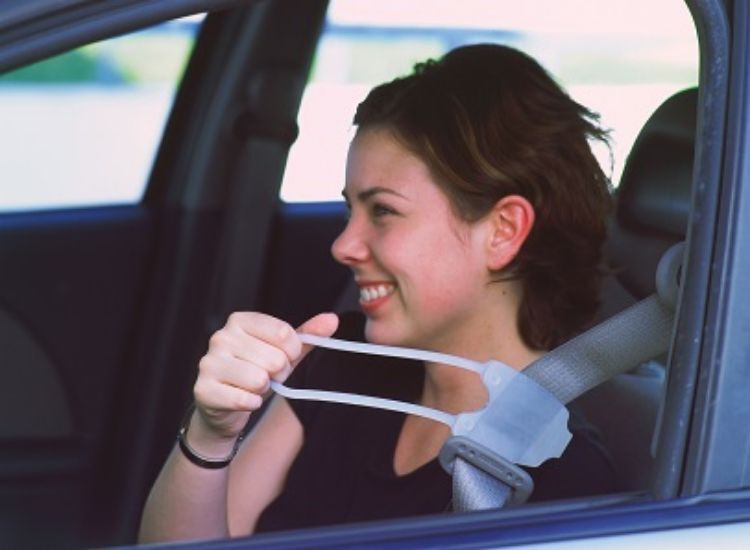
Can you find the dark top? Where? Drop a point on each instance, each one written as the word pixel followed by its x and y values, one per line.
pixel 344 471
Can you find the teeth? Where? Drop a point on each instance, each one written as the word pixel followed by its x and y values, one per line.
pixel 369 293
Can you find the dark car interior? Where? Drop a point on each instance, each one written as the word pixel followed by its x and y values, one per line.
pixel 108 309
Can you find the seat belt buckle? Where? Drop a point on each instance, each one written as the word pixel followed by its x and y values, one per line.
pixel 517 479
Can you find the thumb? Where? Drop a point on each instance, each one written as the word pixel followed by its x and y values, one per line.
pixel 323 324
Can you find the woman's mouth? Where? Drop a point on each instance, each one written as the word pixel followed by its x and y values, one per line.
pixel 373 295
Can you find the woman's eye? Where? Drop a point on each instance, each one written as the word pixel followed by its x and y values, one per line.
pixel 380 210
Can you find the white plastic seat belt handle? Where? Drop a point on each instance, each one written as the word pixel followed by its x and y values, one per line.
pixel 364 401
pixel 378 402
pixel 521 421
pixel 394 351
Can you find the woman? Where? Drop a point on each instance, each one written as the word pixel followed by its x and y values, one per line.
pixel 477 220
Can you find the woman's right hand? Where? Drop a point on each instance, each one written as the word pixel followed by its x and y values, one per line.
pixel 242 358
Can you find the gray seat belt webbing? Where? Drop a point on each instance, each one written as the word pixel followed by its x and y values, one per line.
pixel 473 489
pixel 633 336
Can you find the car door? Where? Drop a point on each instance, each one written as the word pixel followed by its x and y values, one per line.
pixel 120 212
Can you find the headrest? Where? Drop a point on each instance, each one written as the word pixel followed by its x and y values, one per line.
pixel 654 195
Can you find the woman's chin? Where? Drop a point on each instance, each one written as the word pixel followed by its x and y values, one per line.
pixel 388 334
pixel 378 332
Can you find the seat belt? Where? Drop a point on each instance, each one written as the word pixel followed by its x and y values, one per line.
pixel 482 479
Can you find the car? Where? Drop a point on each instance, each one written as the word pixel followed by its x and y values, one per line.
pixel 166 162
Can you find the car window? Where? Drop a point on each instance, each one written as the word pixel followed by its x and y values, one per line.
pixel 82 128
pixel 619 60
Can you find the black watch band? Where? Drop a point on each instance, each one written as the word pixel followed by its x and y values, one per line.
pixel 197 458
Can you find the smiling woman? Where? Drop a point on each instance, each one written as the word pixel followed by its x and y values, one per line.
pixel 477 214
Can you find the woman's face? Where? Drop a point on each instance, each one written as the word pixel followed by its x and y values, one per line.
pixel 421 271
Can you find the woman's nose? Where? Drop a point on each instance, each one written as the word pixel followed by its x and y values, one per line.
pixel 350 247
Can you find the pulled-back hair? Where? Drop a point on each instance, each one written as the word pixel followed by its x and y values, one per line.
pixel 488 121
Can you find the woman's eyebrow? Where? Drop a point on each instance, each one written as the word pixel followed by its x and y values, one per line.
pixel 366 194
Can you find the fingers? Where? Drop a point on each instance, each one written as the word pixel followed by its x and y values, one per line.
pixel 264 329
pixel 234 372
pixel 243 357
pixel 215 396
pixel 248 351
pixel 233 344
pixel 323 324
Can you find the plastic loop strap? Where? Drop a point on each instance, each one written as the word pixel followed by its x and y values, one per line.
pixel 522 422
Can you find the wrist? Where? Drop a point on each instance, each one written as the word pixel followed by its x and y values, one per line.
pixel 205 433
pixel 203 446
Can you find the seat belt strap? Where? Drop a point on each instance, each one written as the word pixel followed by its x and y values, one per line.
pixel 633 336
pixel 478 490
pixel 639 333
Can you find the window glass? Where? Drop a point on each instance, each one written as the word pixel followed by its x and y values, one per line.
pixel 620 58
pixel 82 128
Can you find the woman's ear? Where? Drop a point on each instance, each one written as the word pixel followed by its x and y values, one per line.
pixel 510 222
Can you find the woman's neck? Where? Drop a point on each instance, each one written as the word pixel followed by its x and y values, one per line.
pixel 453 389
pixel 491 332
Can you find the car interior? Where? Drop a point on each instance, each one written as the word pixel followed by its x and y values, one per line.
pixel 108 309
pixel 651 214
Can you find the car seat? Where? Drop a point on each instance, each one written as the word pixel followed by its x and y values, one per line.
pixel 651 214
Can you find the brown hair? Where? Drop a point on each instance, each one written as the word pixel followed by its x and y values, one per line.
pixel 490 122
